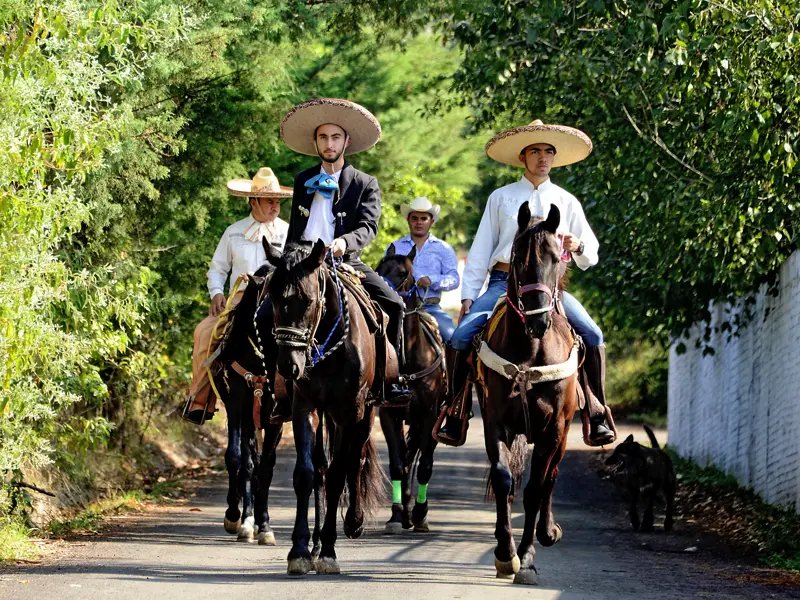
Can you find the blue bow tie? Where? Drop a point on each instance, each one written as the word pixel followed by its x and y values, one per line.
pixel 324 184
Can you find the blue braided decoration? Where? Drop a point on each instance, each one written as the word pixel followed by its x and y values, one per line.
pixel 318 352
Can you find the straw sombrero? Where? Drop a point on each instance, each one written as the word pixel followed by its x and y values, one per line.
pixel 572 145
pixel 421 204
pixel 263 185
pixel 300 124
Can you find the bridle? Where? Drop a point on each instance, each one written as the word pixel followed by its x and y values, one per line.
pixel 305 337
pixel 550 291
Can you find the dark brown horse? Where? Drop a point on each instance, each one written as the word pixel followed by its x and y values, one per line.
pixel 536 396
pixel 424 354
pixel 328 352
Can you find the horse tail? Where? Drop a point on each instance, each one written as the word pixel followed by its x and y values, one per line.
pixel 652 436
pixel 517 460
pixel 372 481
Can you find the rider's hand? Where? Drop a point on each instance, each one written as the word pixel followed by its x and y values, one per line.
pixel 338 247
pixel 423 282
pixel 571 242
pixel 217 305
pixel 465 305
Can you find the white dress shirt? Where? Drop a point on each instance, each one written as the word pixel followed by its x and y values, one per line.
pixel 321 223
pixel 495 236
pixel 236 254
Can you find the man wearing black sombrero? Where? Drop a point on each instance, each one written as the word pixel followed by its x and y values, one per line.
pixel 339 204
pixel 537 148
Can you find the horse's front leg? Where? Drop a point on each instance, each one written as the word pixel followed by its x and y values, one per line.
pixel 506 561
pixel 266 469
pixel 334 485
pixel 303 479
pixel 392 427
pixel 233 461
pixel 246 472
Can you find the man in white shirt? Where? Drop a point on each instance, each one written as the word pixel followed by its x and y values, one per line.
pixel 238 253
pixel 537 148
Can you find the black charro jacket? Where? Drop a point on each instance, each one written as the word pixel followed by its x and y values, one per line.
pixel 356 208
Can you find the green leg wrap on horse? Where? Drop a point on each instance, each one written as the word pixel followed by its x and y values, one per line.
pixel 397 491
pixel 422 493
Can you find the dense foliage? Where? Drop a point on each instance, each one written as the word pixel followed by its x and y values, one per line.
pixel 693 110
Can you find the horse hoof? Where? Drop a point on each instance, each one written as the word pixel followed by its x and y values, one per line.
pixel 299 566
pixel 422 526
pixel 393 528
pixel 327 566
pixel 507 569
pixel 232 527
pixel 266 538
pixel 527 576
pixel 247 530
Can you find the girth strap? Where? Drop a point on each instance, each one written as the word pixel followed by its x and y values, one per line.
pixel 257 383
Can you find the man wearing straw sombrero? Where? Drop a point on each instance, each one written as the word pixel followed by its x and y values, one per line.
pixel 239 252
pixel 340 205
pixel 537 148
pixel 435 262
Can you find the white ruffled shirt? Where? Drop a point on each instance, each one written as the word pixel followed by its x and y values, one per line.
pixel 495 236
pixel 321 222
pixel 240 251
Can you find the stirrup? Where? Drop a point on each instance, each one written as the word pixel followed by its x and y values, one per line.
pixel 440 436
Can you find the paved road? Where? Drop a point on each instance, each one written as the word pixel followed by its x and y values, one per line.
pixel 174 552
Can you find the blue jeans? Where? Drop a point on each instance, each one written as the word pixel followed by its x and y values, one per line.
pixel 482 309
pixel 446 326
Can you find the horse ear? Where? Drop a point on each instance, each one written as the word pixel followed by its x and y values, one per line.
pixel 524 217
pixel 317 255
pixel 629 439
pixel 391 250
pixel 273 254
pixel 412 255
pixel 553 219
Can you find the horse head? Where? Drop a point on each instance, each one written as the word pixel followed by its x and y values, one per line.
pixel 297 291
pixel 398 271
pixel 535 267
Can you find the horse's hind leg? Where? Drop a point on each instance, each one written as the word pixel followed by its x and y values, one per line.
pixel 419 516
pixel 506 561
pixel 364 476
pixel 392 426
pixel 266 469
pixel 233 461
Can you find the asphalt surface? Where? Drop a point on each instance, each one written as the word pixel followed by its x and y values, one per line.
pixel 177 552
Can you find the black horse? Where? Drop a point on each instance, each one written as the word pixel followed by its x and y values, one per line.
pixel 424 352
pixel 328 353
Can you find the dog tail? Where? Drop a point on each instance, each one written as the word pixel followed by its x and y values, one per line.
pixel 652 436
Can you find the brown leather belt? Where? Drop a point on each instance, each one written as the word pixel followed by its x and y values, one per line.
pixel 432 300
pixel 501 266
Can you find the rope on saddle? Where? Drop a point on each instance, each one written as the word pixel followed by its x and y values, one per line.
pixel 256 382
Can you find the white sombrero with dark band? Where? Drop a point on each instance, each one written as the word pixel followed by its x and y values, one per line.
pixel 572 145
pixel 263 185
pixel 300 124
pixel 421 204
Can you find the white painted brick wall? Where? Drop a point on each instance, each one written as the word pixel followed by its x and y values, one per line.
pixel 738 409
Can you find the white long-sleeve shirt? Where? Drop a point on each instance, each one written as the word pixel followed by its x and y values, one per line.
pixel 495 236
pixel 236 254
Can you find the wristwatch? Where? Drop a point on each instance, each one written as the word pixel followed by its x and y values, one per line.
pixel 580 249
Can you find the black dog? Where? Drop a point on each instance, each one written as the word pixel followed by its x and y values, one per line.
pixel 648 472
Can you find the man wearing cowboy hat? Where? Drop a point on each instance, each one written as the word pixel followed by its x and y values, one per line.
pixel 435 263
pixel 340 205
pixel 536 147
pixel 239 252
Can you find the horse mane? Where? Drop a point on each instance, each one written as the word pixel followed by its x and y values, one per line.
pixel 538 234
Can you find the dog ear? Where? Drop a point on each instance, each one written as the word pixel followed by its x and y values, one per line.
pixel 553 219
pixel 524 217
pixel 629 439
pixel 273 254
pixel 317 255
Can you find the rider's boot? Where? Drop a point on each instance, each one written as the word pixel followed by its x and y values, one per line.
pixel 602 430
pixel 458 401
pixel 392 395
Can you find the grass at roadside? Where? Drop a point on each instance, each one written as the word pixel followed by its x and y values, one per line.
pixel 15 542
pixel 715 499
